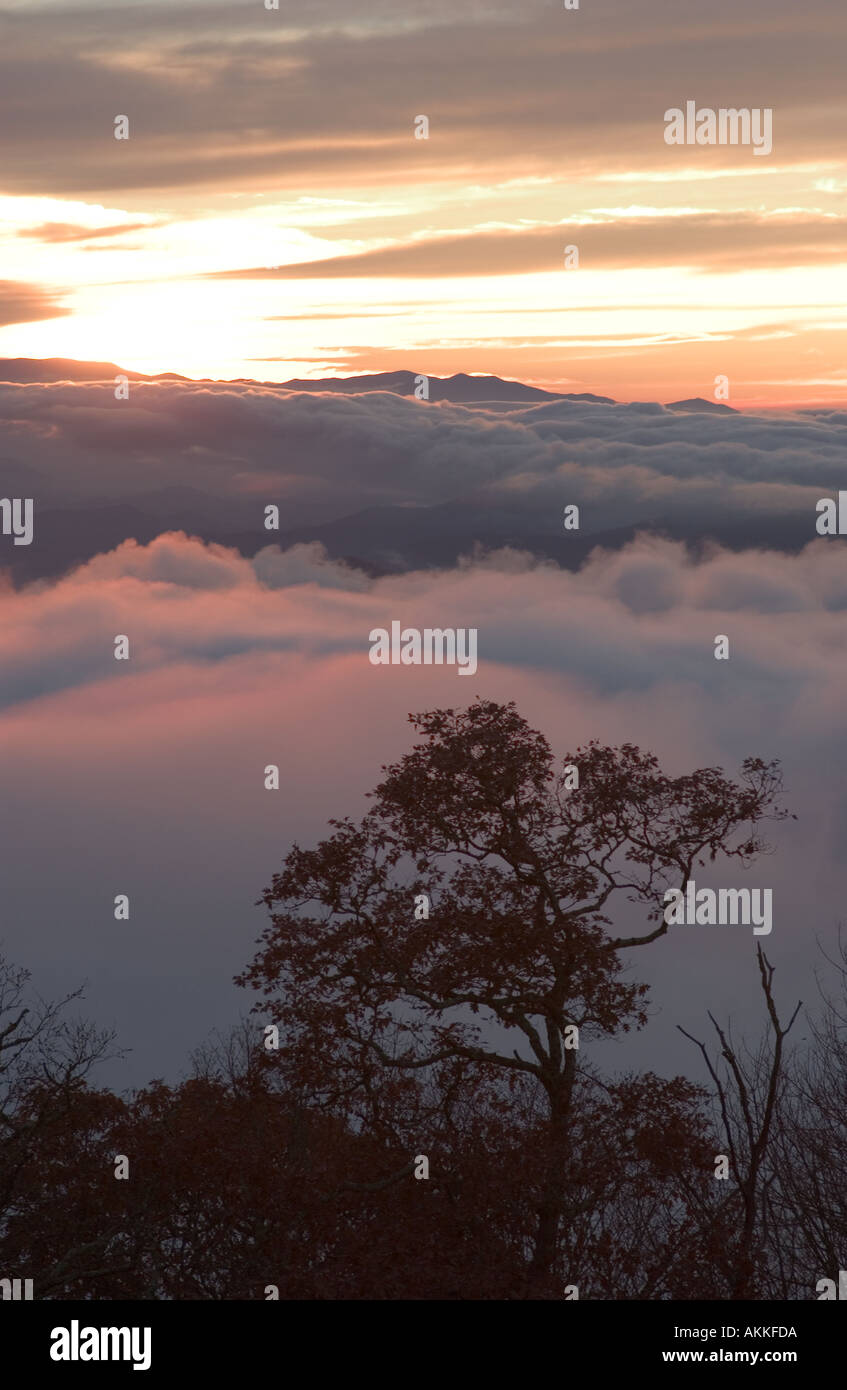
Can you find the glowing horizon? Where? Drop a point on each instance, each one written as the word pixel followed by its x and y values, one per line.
pixel 230 237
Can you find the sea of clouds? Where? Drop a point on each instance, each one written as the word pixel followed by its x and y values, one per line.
pixel 146 777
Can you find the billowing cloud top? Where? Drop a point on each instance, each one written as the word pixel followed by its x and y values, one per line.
pixel 394 483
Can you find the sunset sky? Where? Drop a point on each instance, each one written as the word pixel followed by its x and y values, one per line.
pixel 272 214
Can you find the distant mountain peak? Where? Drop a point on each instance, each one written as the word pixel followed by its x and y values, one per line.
pixel 461 388
pixel 38 369
pixel 698 403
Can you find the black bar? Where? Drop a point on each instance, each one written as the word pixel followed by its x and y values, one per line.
pixel 409 1342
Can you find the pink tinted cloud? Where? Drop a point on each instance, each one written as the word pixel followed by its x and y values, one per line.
pixel 146 777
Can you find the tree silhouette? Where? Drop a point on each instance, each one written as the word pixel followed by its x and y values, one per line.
pixel 495 994
pixel 45 1110
pixel 748 1089
pixel 438 973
